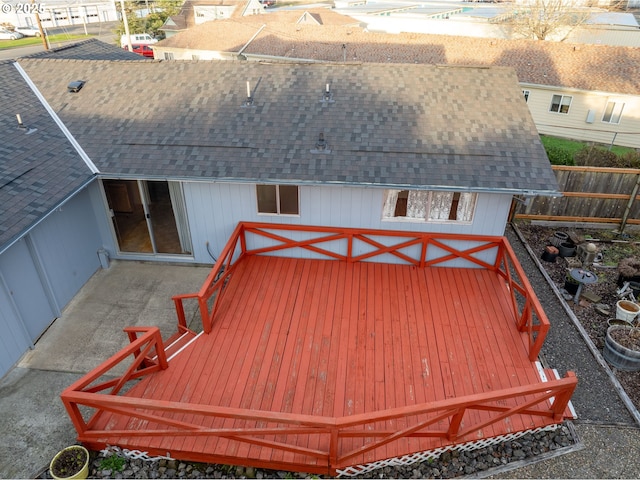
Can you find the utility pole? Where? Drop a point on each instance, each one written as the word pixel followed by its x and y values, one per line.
pixel 126 26
pixel 45 41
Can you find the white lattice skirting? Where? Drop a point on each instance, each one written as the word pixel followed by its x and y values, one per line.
pixel 131 454
pixel 369 467
pixel 434 454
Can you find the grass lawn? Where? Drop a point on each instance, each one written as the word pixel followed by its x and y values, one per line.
pixel 573 146
pixel 27 41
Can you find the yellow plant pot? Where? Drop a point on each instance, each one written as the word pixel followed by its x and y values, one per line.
pixel 80 474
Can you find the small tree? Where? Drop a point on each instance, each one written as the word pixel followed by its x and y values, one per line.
pixel 160 10
pixel 540 19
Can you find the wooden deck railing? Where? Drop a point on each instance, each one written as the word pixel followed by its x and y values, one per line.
pixel 148 357
pixel 281 431
pixel 529 314
pixel 346 439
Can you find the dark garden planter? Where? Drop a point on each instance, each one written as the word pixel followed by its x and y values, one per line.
pixel 567 249
pixel 619 356
pixel 550 253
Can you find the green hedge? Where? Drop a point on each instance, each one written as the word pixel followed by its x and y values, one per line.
pixel 562 151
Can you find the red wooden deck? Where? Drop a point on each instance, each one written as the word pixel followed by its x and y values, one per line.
pixel 313 365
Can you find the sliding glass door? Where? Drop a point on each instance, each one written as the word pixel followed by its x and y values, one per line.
pixel 148 216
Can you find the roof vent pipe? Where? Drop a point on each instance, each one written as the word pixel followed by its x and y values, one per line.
pixel 23 127
pixel 249 101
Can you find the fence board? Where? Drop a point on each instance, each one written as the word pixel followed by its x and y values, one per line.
pixel 590 194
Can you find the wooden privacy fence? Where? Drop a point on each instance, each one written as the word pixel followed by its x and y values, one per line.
pixel 589 195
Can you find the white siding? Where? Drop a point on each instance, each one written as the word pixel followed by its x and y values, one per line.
pixel 574 124
pixel 216 208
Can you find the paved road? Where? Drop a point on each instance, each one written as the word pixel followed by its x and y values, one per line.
pixel 103 31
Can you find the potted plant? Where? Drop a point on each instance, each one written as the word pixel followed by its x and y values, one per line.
pixel 622 347
pixel 70 463
pixel 628 270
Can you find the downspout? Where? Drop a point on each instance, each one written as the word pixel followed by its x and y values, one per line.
pixel 627 210
pixel 251 40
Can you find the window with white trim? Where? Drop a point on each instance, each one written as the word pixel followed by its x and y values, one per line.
pixel 430 206
pixel 278 199
pixel 560 103
pixel 526 94
pixel 168 55
pixel 613 112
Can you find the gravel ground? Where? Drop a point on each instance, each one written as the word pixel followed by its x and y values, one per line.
pixel 448 465
pixel 612 248
pixel 603 418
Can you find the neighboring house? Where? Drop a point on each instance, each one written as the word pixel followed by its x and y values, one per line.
pixel 417 147
pixel 586 92
pixel 196 12
pixel 58 13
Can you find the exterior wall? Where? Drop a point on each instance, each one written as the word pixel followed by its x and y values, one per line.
pixel 57 14
pixel 67 243
pixel 574 124
pixel 14 340
pixel 216 208
pixel 621 36
pixel 189 54
pixel 206 13
pixel 42 272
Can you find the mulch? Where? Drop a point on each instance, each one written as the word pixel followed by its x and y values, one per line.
pixel 598 303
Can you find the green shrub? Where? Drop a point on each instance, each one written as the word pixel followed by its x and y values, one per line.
pixel 629 160
pixel 113 463
pixel 596 157
pixel 559 156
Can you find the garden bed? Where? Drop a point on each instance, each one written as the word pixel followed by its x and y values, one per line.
pixel 593 315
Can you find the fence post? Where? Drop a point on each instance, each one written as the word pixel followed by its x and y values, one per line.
pixel 627 210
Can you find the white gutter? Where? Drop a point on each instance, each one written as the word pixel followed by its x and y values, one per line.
pixel 251 39
pixel 56 119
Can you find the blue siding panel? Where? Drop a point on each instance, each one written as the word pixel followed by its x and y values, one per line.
pixel 67 243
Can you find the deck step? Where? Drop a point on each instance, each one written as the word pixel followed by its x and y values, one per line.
pixel 548 374
pixel 177 342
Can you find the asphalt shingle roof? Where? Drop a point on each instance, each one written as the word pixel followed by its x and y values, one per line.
pixel 37 171
pixel 411 125
pixel 91 49
pixel 582 66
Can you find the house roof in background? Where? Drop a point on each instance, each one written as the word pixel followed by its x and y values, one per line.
pixel 185 18
pixel 91 49
pixel 557 64
pixel 37 170
pixel 413 125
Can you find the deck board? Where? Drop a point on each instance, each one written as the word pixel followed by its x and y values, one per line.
pixel 333 338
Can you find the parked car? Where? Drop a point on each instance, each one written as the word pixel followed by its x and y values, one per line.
pixel 268 3
pixel 29 31
pixel 144 50
pixel 138 39
pixel 6 34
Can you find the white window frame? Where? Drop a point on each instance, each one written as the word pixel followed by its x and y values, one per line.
pixel 615 113
pixel 561 103
pixel 525 94
pixel 277 201
pixel 168 56
pixel 424 208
